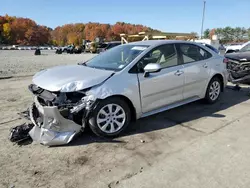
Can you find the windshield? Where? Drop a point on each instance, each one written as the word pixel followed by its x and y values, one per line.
pixel 116 58
pixel 245 48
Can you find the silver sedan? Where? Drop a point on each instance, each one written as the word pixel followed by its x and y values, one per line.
pixel 123 84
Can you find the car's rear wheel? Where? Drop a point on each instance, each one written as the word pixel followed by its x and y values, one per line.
pixel 213 90
pixel 110 117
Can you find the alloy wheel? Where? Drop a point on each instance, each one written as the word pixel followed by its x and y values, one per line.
pixel 214 90
pixel 111 118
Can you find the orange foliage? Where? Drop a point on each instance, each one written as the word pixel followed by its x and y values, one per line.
pixel 212 32
pixel 24 31
pixel 92 30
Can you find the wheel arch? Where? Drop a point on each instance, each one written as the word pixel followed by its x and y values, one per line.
pixel 218 75
pixel 128 101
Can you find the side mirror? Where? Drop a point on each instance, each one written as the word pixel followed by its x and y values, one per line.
pixel 151 68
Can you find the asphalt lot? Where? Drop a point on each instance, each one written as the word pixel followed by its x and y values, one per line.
pixel 196 145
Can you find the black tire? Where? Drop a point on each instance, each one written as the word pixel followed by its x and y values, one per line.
pixel 208 99
pixel 93 116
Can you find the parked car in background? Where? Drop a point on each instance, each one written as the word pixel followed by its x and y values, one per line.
pixel 122 84
pixel 234 47
pixel 77 50
pixel 20 48
pixel 222 47
pixel 87 46
pixel 67 48
pixel 54 47
pixel 108 45
pixel 70 49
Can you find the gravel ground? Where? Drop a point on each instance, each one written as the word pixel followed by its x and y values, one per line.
pixel 194 146
pixel 25 63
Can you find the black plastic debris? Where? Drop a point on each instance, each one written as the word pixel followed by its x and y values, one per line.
pixel 236 88
pixel 20 133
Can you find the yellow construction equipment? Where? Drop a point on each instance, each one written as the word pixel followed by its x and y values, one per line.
pixel 126 38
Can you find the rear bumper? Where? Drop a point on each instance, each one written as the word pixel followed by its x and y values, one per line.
pixel 55 129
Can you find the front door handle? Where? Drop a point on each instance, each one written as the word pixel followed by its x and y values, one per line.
pixel 178 73
pixel 205 65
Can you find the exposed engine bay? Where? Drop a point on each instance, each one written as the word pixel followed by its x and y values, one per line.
pixel 239 70
pixel 58 116
pixel 238 66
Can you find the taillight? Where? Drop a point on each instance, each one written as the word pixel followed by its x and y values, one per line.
pixel 225 60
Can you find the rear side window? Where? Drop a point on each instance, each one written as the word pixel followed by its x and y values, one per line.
pixel 192 53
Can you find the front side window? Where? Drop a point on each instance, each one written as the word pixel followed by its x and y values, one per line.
pixel 192 53
pixel 116 58
pixel 164 55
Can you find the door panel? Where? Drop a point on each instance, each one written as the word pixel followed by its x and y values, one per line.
pixel 162 88
pixel 196 67
pixel 196 78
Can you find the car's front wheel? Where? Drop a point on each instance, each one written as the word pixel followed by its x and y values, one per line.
pixel 213 90
pixel 110 117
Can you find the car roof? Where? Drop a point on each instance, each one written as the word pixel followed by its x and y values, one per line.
pixel 113 42
pixel 159 42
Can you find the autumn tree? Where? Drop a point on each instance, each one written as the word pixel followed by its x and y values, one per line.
pixel 23 31
pixel 6 32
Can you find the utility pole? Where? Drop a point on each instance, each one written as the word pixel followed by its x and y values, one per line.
pixel 203 16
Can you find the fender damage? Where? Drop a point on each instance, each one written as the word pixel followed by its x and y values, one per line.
pixel 59 116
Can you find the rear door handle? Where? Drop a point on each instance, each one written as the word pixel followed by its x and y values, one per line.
pixel 178 73
pixel 205 65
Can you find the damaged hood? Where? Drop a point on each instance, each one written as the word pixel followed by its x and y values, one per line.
pixel 70 78
pixel 239 56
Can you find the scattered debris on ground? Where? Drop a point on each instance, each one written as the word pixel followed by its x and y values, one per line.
pixel 25 114
pixel 20 133
pixel 237 88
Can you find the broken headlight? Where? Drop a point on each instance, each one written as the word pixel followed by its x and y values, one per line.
pixel 85 102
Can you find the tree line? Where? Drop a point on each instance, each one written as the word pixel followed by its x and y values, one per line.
pixel 24 31
pixel 229 34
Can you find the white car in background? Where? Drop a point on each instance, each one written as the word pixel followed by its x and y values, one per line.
pixel 235 47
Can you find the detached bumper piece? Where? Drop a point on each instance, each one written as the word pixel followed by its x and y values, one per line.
pixel 54 129
pixel 49 137
pixel 20 133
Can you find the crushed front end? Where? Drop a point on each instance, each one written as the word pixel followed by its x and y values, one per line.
pixel 239 70
pixel 58 116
